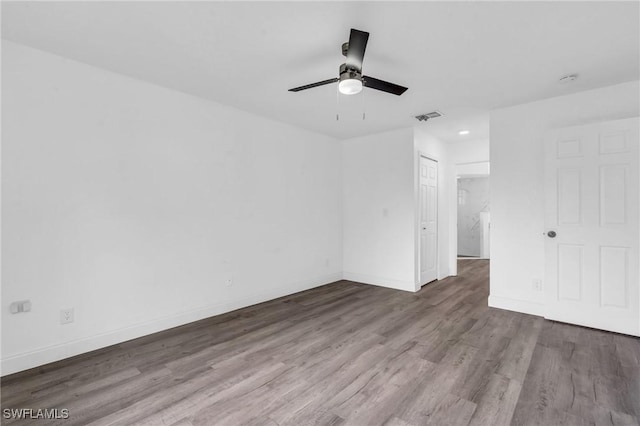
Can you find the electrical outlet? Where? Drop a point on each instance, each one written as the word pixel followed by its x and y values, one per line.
pixel 537 284
pixel 229 282
pixel 66 316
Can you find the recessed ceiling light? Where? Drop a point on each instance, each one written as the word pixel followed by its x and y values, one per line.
pixel 568 78
pixel 463 132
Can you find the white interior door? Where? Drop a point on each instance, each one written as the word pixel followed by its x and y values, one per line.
pixel 591 248
pixel 428 220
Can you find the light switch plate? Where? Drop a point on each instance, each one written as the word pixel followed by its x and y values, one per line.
pixel 20 306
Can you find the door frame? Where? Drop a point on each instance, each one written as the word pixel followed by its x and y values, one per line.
pixel 417 225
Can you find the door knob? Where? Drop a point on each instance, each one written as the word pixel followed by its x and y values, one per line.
pixel 551 234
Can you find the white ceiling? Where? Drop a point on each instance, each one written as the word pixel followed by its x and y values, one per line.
pixel 461 58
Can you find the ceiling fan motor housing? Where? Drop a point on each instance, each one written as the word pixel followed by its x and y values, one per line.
pixel 345 48
pixel 348 73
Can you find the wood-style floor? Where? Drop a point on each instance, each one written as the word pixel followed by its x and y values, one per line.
pixel 349 353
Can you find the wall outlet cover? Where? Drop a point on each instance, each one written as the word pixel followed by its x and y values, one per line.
pixel 537 285
pixel 66 316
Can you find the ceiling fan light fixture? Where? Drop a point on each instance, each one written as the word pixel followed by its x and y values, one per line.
pixel 350 86
pixel 351 80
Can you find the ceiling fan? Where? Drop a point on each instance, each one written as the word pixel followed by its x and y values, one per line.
pixel 351 79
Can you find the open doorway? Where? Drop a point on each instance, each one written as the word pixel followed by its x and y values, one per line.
pixel 474 216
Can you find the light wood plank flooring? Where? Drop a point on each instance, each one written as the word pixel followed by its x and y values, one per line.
pixel 349 353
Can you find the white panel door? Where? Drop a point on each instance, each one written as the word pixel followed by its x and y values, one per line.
pixel 428 220
pixel 591 214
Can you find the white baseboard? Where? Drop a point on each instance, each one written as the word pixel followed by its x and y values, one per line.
pixel 45 355
pixel 523 306
pixel 380 281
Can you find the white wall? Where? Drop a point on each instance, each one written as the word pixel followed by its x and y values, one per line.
pixel 473 169
pixel 379 211
pixel 134 204
pixel 473 151
pixel 517 202
pixel 380 201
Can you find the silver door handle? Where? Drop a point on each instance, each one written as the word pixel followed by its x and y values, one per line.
pixel 551 234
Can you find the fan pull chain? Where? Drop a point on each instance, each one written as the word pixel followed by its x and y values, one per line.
pixel 337 105
pixel 363 105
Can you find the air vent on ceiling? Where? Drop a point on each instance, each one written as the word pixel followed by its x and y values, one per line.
pixel 425 117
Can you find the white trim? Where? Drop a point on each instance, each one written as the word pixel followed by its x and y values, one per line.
pixel 597 323
pixel 516 305
pixel 45 355
pixel 380 281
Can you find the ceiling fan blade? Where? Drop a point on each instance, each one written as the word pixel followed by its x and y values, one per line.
pixel 385 86
pixel 357 45
pixel 309 86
